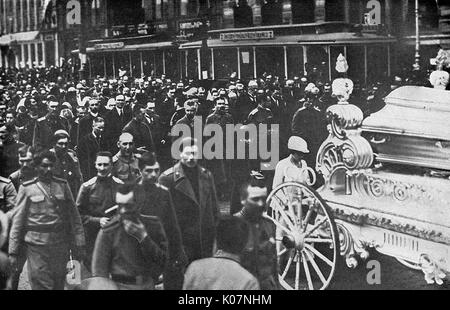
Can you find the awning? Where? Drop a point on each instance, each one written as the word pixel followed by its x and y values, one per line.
pixel 128 48
pixel 305 39
pixel 7 39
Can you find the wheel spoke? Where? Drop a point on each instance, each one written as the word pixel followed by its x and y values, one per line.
pixel 316 268
pixel 315 227
pixel 308 275
pixel 320 255
pixel 307 217
pixel 288 265
pixel 279 225
pixel 282 252
pixel 285 217
pixel 317 240
pixel 297 274
pixel 289 204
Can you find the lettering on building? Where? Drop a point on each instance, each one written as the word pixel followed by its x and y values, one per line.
pixel 251 35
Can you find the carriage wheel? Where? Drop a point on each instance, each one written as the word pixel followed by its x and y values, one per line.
pixel 307 240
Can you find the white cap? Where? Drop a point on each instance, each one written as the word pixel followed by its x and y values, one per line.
pixel 296 143
pixel 252 83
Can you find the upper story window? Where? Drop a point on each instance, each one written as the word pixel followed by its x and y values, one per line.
pixel 272 12
pixel 127 12
pixel 243 14
pixel 303 11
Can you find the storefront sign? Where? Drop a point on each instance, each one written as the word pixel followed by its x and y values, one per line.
pixel 141 29
pixel 251 35
pixel 192 29
pixel 104 46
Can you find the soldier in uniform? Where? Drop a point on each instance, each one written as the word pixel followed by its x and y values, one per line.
pixel 220 167
pixel 24 174
pixel 7 194
pixel 125 162
pixel 154 199
pixel 97 196
pixel 194 197
pixel 67 166
pixel 132 248
pixel 262 114
pixel 259 256
pixel 48 125
pixel 50 225
pixel 9 149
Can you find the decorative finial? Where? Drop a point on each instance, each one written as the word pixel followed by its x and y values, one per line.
pixel 441 59
pixel 440 78
pixel 341 64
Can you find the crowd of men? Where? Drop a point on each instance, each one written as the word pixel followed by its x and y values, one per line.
pixel 87 174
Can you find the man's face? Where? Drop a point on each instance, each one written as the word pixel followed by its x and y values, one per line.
pixel 103 166
pixel 3 134
pixel 126 145
pixel 45 169
pixel 94 106
pixel 189 156
pixel 150 174
pixel 26 162
pixel 53 106
pixel 62 145
pixel 81 112
pixel 98 128
pixel 9 118
pixel 255 203
pixel 120 103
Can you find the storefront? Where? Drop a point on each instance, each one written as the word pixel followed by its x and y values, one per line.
pixel 157 58
pixel 289 51
pixel 30 49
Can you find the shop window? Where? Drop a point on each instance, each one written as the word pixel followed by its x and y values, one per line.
pixel 122 61
pixel 225 63
pixel 303 11
pixel 334 10
pixel 136 64
pixel 192 64
pixel 376 63
pixel 272 12
pixel 317 65
pixel 172 64
pixel 270 60
pixel 355 60
pixel 40 53
pixel 159 63
pixel 148 62
pixel 295 61
pixel 247 63
pixel 109 65
pixel 243 15
pixel 97 64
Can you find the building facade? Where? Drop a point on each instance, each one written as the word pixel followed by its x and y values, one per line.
pixel 210 39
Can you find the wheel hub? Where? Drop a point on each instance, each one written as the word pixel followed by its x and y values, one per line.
pixel 295 240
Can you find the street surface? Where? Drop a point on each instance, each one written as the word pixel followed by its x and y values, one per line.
pixel 394 276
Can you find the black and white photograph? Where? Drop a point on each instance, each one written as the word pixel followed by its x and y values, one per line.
pixel 224 145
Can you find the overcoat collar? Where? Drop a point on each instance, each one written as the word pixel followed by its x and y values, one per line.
pixel 183 185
